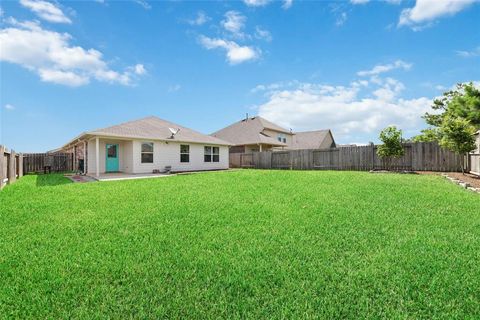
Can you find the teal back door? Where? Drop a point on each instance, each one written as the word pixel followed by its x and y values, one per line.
pixel 112 158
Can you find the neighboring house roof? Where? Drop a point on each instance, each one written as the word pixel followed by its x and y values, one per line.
pixel 250 131
pixel 311 139
pixel 152 128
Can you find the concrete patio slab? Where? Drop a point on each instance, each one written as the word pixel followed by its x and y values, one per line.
pixel 79 178
pixel 127 176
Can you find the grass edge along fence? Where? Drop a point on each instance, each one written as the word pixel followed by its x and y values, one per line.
pixel 420 156
pixel 11 166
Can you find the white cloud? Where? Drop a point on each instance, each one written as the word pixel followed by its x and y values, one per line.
pixel 235 53
pixel 378 69
pixel 263 34
pixel 63 77
pixel 256 3
pixel 353 112
pixel 200 19
pixel 9 107
pixel 144 4
pixel 468 54
pixel 341 19
pixel 54 59
pixel 139 69
pixel 367 1
pixel 174 88
pixel 426 11
pixel 46 10
pixel 287 4
pixel 234 22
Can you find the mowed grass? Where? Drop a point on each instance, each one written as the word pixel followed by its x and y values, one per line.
pixel 244 244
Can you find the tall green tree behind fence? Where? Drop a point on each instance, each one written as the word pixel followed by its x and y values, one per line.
pixel 421 156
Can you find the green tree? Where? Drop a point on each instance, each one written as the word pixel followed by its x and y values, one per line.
pixel 463 102
pixel 457 135
pixel 427 135
pixel 392 145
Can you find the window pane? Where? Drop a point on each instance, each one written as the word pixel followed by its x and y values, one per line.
pixel 147 147
pixel 184 158
pixel 208 150
pixel 147 157
pixel 112 151
pixel 284 140
pixel 207 158
pixel 216 150
pixel 184 148
pixel 216 158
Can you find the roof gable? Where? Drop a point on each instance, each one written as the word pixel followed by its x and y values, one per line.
pixel 250 131
pixel 310 139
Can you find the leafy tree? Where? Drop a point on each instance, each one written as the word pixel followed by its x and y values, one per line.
pixel 457 135
pixel 462 102
pixel 427 135
pixel 392 145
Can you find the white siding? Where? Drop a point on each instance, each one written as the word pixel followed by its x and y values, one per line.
pixel 274 134
pixel 127 155
pixel 168 154
pixel 164 154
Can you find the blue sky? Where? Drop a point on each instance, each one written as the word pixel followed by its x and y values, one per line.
pixel 351 66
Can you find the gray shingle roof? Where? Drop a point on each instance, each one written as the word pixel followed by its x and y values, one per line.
pixel 250 131
pixel 309 139
pixel 157 129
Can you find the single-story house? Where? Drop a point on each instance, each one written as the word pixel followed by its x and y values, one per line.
pixel 258 134
pixel 145 145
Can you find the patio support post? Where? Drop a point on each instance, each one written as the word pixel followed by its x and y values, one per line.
pixel 84 157
pixel 260 147
pixel 97 157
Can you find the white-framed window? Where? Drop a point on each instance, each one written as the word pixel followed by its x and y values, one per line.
pixel 211 154
pixel 184 153
pixel 282 137
pixel 147 152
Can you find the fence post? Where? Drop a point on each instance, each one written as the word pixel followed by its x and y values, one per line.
pixel 2 165
pixel 20 165
pixel 12 171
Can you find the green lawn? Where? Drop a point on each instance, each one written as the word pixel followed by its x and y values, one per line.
pixel 243 244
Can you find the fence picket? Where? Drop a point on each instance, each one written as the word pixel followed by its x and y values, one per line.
pixel 420 156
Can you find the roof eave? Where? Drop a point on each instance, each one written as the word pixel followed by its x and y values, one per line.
pixel 109 135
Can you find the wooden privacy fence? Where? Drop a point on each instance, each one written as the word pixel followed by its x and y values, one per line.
pixel 422 156
pixel 11 166
pixel 41 162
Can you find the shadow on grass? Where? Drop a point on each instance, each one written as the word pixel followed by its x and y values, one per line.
pixel 48 180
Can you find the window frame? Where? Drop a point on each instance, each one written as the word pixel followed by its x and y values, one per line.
pixel 185 153
pixel 147 152
pixel 211 154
